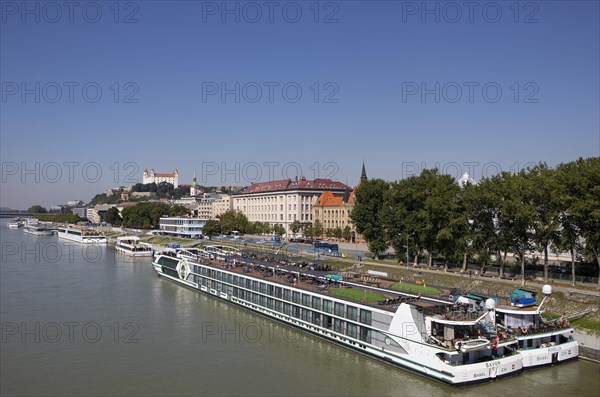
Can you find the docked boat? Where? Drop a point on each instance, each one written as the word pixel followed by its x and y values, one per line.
pixel 38 229
pixel 540 342
pixel 131 245
pixel 81 235
pixel 418 333
pixel 15 223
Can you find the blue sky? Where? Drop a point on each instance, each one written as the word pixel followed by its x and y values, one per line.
pixel 361 76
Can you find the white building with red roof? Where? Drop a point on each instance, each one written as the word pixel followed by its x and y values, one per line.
pixel 283 201
pixel 155 177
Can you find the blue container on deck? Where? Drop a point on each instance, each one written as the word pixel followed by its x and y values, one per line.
pixel 522 298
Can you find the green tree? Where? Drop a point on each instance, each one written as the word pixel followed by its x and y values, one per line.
pixel 37 209
pixel 309 231
pixel 368 214
pixel 178 210
pixel 234 220
pixel 144 215
pixel 347 233
pixel 317 229
pixel 278 230
pixel 112 216
pixel 581 181
pixel 211 228
pixel 337 232
pixel 295 226
pixel 329 233
pixel 516 214
pixel 543 187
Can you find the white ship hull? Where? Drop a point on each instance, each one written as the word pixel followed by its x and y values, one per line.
pixel 402 345
pixel 130 252
pixel 82 239
pixel 549 355
pixel 38 232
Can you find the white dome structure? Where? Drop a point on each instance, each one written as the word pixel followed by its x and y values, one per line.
pixel 463 180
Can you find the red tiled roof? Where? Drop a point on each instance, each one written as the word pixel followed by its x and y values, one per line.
pixel 300 184
pixel 166 175
pixel 328 199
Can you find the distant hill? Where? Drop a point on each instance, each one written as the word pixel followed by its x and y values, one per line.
pixel 5 209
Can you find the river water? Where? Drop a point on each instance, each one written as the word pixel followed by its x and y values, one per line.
pixel 89 321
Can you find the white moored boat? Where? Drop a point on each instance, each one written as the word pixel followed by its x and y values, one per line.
pixel 416 333
pixel 38 229
pixel 540 342
pixel 81 235
pixel 131 245
pixel 15 223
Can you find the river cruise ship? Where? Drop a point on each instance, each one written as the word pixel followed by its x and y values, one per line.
pixel 81 235
pixel 450 342
pixel 131 245
pixel 38 229
pixel 540 342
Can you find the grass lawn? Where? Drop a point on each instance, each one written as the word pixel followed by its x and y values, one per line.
pixel 356 294
pixel 415 289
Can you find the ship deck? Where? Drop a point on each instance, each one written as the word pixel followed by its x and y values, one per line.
pixel 309 277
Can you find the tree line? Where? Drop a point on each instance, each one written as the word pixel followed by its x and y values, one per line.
pixel 539 209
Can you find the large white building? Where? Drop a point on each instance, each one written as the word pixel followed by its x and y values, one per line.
pixel 283 201
pixel 213 205
pixel 181 226
pixel 154 177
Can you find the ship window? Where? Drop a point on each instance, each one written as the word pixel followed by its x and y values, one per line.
pixel 327 306
pixel 263 300
pixel 235 280
pixel 365 316
pixel 270 303
pixel 339 309
pixel 306 300
pixel 278 306
pixel 263 288
pixel 287 308
pixel 316 320
pixel 351 330
pixel 352 313
pixel 296 311
pixel 270 290
pixel 254 285
pixel 338 326
pixel 248 283
pixel 316 303
pixel 287 294
pixel 365 334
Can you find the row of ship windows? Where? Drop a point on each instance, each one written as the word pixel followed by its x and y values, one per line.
pixel 325 305
pixel 307 315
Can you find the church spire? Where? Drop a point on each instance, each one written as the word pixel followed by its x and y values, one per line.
pixel 363 174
